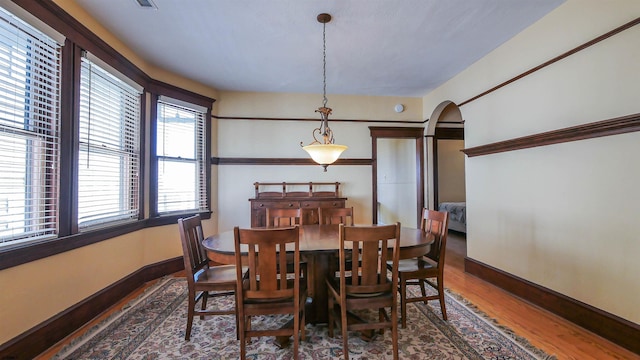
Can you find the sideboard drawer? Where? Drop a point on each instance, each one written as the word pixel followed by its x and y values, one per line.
pixel 310 204
pixel 275 204
pixel 332 204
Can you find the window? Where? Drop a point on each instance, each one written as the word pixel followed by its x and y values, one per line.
pixel 181 157
pixel 109 152
pixel 29 131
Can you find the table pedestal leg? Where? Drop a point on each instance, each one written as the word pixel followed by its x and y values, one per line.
pixel 319 266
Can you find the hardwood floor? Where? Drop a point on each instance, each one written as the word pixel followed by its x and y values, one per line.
pixel 543 329
pixel 551 333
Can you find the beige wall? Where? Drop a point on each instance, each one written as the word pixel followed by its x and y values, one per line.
pixel 451 171
pixel 281 139
pixel 36 291
pixel 562 216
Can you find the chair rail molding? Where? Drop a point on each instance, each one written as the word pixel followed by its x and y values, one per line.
pixel 589 43
pixel 615 126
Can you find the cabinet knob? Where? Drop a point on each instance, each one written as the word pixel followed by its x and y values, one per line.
pixel 335 204
pixel 261 205
pixel 290 205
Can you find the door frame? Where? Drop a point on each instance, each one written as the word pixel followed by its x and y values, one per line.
pixel 416 133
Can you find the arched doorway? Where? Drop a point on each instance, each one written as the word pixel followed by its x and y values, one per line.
pixel 445 163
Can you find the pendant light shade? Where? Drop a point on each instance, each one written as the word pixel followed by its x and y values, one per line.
pixel 325 154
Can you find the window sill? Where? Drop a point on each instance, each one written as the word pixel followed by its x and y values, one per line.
pixel 28 252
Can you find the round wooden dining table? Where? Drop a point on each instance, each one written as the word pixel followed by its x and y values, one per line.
pixel 319 246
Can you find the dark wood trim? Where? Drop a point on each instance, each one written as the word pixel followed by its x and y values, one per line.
pixel 609 326
pixel 317 119
pixel 374 178
pixel 620 125
pixel 420 176
pixel 444 133
pixel 153 155
pixel 25 253
pixel 207 155
pixel 397 132
pixel 53 15
pixel 22 254
pixel 283 161
pixel 172 219
pixel 615 31
pixel 46 334
pixel 68 92
pixel 143 155
pixel 162 88
pixel 436 183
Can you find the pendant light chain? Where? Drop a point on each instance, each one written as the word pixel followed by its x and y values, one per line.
pixel 324 65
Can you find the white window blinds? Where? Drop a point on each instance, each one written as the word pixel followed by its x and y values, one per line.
pixel 180 150
pixel 109 153
pixel 29 132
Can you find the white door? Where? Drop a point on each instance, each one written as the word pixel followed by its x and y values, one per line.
pixel 396 181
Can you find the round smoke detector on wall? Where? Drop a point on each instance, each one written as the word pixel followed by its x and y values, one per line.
pixel 399 108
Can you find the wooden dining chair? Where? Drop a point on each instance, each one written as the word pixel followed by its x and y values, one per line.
pixel 203 281
pixel 329 216
pixel 423 269
pixel 336 215
pixel 284 217
pixel 369 287
pixel 267 287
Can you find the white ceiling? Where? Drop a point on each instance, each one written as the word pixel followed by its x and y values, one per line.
pixel 374 47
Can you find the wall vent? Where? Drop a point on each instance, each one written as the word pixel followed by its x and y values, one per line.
pixel 146 4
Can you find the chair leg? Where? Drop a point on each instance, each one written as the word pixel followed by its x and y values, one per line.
pixel 423 290
pixel 381 317
pixel 394 330
pixel 243 340
pixel 403 301
pixel 236 316
pixel 303 325
pixel 345 335
pixel 205 296
pixel 331 317
pixel 296 336
pixel 190 315
pixel 441 298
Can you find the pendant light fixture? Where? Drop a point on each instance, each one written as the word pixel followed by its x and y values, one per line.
pixel 324 151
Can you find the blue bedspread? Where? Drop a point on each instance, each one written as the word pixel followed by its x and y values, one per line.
pixel 457 211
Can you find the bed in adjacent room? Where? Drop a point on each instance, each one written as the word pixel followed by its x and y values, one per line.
pixel 457 215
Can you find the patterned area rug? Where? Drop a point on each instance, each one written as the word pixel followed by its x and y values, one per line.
pixel 152 327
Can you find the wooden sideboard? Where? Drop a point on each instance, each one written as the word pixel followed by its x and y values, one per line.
pixel 290 195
